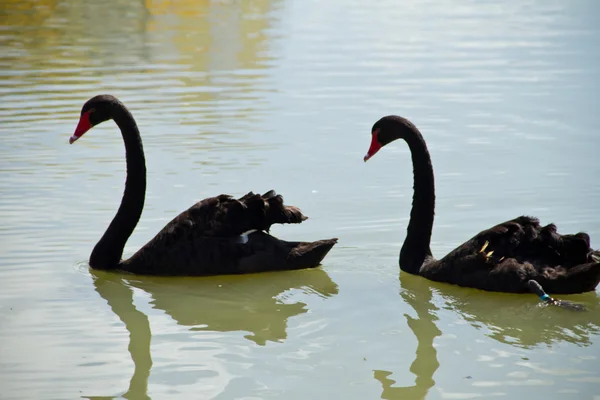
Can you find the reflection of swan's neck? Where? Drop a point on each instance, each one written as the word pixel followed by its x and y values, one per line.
pixel 418 235
pixel 108 251
pixel 425 363
pixel 120 299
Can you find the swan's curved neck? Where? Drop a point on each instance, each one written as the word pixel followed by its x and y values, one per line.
pixel 108 251
pixel 415 249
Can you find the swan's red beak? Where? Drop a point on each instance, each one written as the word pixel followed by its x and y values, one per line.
pixel 375 145
pixel 83 126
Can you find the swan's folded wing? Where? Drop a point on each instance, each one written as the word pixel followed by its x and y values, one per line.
pixel 225 216
pixel 526 241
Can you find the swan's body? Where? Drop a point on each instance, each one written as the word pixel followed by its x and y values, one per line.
pixel 503 258
pixel 209 238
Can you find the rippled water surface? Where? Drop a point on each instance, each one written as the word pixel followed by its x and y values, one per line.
pixel 233 96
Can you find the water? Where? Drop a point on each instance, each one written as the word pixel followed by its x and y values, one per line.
pixel 235 96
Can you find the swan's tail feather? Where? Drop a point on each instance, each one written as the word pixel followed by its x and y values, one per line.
pixel 309 255
pixel 272 254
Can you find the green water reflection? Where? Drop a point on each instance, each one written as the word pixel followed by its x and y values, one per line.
pixel 250 304
pixel 513 320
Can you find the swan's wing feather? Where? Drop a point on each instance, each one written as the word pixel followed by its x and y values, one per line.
pixel 225 216
pixel 521 249
pixel 524 239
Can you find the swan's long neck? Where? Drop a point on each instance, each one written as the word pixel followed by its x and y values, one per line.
pixel 415 249
pixel 108 251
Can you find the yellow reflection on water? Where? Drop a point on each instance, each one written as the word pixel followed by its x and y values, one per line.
pixel 202 52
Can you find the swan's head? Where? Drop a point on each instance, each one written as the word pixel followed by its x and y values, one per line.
pixel 96 110
pixel 386 130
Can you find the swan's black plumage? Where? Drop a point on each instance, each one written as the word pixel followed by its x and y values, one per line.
pixel 503 258
pixel 209 238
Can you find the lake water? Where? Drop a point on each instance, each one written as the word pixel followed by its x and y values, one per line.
pixel 233 96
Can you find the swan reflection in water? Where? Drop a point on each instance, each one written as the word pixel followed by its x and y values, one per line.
pixel 418 294
pixel 513 319
pixel 247 303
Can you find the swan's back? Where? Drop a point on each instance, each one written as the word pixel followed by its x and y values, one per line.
pixel 505 257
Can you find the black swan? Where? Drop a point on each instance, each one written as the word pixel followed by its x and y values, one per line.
pixel 503 258
pixel 218 235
